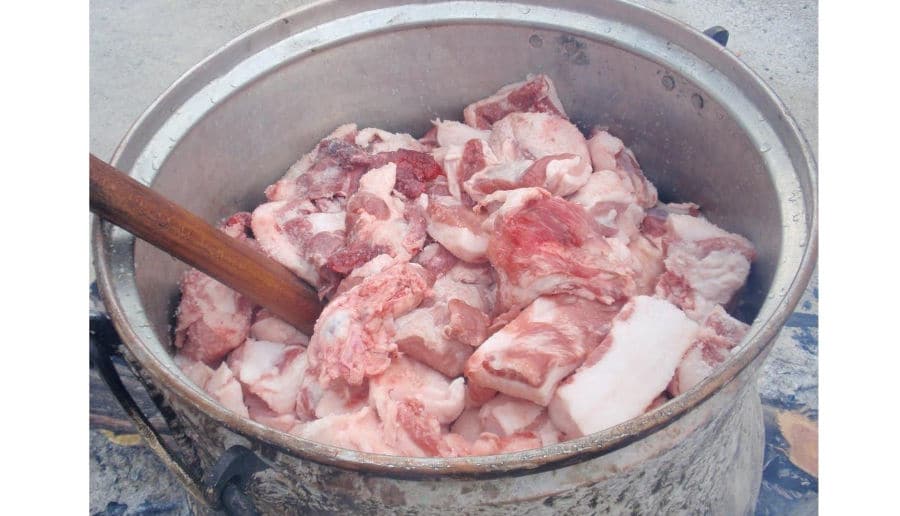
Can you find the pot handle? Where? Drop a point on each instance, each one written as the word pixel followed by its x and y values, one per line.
pixel 718 34
pixel 220 488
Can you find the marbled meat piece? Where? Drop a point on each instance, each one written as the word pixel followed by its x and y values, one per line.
pixel 455 226
pixel 567 251
pixel 353 337
pixel 327 175
pixel 451 321
pixel 609 153
pixel 705 265
pixel 566 166
pixel 718 335
pixel 528 357
pixel 627 371
pixel 536 94
pixel 378 222
pixel 413 401
pixel 296 235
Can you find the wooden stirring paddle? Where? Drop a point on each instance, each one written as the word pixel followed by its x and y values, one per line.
pixel 146 214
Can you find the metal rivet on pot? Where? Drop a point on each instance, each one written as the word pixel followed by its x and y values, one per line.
pixel 668 82
pixel 697 101
pixel 536 41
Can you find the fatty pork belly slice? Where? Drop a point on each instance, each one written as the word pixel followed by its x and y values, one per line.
pixel 213 319
pixel 413 401
pixel 220 383
pixel 507 416
pixel 296 235
pixel 379 223
pixel 271 371
pixel 535 94
pixel 705 265
pixel 718 335
pixel 451 321
pixel 456 227
pixel 353 337
pixel 627 371
pixel 609 153
pixel 328 174
pixel 528 357
pixel 541 245
pixel 532 136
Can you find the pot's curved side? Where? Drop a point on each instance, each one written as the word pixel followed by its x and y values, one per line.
pixel 716 450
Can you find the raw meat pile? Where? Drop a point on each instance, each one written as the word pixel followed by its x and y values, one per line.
pixel 494 286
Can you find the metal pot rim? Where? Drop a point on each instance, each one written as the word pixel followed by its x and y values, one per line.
pixel 568 452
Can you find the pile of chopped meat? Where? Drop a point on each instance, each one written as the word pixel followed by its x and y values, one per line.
pixel 494 286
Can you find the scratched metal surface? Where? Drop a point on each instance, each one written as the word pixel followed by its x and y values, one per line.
pixel 139 48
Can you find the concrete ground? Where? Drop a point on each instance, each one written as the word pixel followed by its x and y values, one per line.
pixel 138 48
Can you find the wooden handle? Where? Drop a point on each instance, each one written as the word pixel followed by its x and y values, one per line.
pixel 149 216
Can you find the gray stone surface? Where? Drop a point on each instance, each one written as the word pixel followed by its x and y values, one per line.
pixel 138 48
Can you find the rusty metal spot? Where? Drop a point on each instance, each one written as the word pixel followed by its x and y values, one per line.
pixel 572 50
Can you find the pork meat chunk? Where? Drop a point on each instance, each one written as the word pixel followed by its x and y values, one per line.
pixel 627 371
pixel 536 94
pixel 413 401
pixel 327 175
pixel 452 320
pixel 548 340
pixel 353 337
pixel 566 251
pixel 705 265
pixel 379 223
pixel 456 227
pixel 558 150
pixel 295 234
pixel 718 335
pixel 271 371
pixel 609 153
pixel 360 430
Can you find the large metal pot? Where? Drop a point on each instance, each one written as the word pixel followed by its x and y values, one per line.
pixel 704 127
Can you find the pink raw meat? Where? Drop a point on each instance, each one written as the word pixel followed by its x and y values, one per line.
pixel 268 327
pixel 627 371
pixel 456 227
pixel 532 136
pixel 705 265
pixel 609 153
pixel 301 238
pixel 352 338
pixel 567 252
pixel 379 223
pixel 548 340
pixel 451 321
pixel 328 174
pixel 718 335
pixel 535 94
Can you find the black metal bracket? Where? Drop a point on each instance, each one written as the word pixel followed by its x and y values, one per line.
pixel 229 477
pixel 718 33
